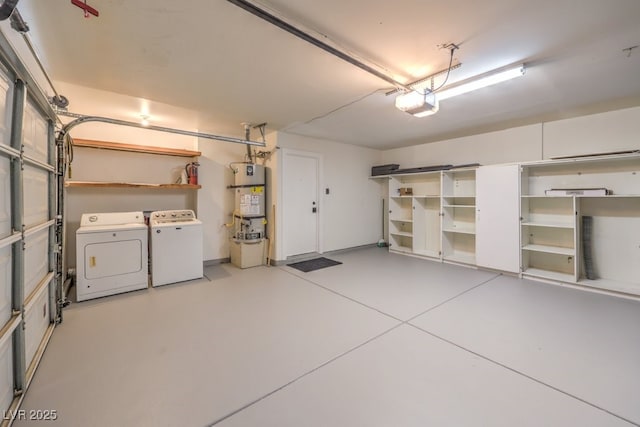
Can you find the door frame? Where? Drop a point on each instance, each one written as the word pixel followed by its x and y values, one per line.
pixel 318 157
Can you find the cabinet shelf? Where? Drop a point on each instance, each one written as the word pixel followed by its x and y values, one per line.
pixel 549 224
pixel 402 233
pixel 550 249
pixel 462 230
pixel 460 206
pixel 401 220
pixel 459 196
pixel 135 148
pixel 92 184
pixel 398 248
pixel 544 196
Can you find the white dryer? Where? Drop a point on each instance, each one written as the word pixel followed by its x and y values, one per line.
pixel 176 247
pixel 112 254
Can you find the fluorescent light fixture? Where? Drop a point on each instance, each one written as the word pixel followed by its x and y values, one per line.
pixel 418 104
pixel 482 80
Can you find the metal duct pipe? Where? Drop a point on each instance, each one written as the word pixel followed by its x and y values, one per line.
pixel 79 119
pixel 263 14
pixel 6 9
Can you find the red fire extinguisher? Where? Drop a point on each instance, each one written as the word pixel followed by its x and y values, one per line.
pixel 192 172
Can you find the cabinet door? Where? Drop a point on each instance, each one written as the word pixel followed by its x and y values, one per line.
pixel 498 217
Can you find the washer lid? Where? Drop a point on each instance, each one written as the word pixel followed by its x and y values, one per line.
pixel 108 228
pixel 111 218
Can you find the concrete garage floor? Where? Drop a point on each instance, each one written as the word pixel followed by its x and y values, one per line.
pixel 381 340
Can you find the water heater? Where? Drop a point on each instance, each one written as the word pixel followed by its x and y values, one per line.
pixel 250 201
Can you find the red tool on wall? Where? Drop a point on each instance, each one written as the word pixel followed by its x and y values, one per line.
pixel 82 4
pixel 192 172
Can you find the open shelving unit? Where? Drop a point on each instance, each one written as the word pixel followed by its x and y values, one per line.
pixel 135 148
pixel 98 184
pixel 458 216
pixel 414 220
pixel 549 236
pixel 132 148
pixel 436 217
pixel 552 242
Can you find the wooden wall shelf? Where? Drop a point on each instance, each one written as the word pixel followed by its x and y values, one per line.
pixel 135 148
pixel 94 184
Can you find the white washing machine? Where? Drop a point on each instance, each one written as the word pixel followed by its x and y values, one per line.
pixel 111 254
pixel 176 247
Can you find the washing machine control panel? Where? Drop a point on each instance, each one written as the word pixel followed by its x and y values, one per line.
pixel 173 216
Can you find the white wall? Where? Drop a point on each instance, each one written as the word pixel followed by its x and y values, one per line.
pixel 351 213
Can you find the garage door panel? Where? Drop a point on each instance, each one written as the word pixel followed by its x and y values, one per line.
pixel 6 374
pixel 34 134
pixel 5 197
pixel 5 109
pixel 36 202
pixel 5 285
pixel 36 260
pixel 36 323
pixel 25 141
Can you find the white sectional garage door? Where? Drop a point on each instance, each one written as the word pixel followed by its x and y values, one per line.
pixel 27 235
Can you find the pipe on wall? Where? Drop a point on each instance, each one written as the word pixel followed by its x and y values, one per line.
pixel 80 119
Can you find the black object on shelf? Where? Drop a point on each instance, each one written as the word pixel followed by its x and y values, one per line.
pixel 466 165
pixel 424 169
pixel 384 169
pixel 587 232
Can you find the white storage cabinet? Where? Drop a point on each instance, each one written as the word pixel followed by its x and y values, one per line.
pixel 459 216
pixel 552 240
pixel 414 220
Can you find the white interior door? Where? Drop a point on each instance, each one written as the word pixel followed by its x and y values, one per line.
pixel 300 173
pixel 498 217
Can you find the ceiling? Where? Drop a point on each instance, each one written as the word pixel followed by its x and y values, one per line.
pixel 231 67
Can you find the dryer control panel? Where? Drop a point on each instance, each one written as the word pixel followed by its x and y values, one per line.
pixel 184 215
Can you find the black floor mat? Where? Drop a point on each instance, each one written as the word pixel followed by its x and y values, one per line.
pixel 314 264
